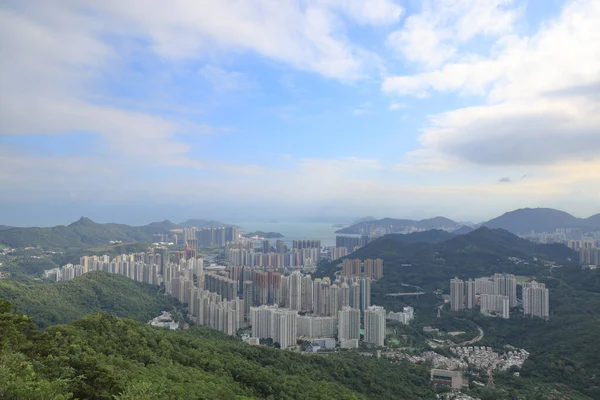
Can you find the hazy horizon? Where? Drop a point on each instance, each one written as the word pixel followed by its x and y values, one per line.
pixel 122 216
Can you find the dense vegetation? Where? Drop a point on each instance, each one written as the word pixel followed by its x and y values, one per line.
pixel 104 357
pixel 50 303
pixel 431 265
pixel 83 232
pixel 562 349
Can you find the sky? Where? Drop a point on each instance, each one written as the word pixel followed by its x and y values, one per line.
pixel 255 110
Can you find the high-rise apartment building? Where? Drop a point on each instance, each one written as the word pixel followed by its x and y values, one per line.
pixel 495 303
pixel 307 294
pixel 457 294
pixel 506 285
pixel 337 252
pixel 306 244
pixel 317 327
pixel 294 291
pixel 375 325
pixel 471 291
pixel 536 300
pixel 348 323
pixel 279 324
pixel 365 293
pixel 351 267
pixel 280 247
pixel 373 268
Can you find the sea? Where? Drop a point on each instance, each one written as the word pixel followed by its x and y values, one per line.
pixel 323 231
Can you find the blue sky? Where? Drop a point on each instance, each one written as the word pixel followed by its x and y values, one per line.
pixel 298 109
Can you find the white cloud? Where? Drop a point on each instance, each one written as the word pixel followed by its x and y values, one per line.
pixel 58 50
pixel 306 35
pixel 226 81
pixel 434 35
pixel 374 12
pixel 541 92
pixel 397 106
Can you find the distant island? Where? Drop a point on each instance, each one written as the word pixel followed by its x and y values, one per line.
pixel 266 235
pixel 393 225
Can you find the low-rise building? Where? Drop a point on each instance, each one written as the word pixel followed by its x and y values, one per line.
pixel 451 379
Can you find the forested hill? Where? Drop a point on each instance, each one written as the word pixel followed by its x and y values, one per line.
pixel 85 232
pixel 479 253
pixel 101 356
pixel 55 303
pixel 81 233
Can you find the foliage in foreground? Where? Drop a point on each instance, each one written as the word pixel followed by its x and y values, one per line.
pixel 101 356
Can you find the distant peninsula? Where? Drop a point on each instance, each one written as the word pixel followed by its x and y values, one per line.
pixel 266 235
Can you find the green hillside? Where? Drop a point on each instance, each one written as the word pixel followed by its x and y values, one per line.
pixel 60 302
pixel 560 348
pixel 432 265
pixel 86 233
pixel 81 233
pixel 104 357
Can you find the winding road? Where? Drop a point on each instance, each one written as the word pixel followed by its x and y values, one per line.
pixel 474 340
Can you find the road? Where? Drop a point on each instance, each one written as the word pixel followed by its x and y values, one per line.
pixel 474 340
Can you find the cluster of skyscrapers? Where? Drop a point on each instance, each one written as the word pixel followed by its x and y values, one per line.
pixel 141 267
pixel 211 236
pixel 243 253
pixel 586 243
pixel 497 295
pixel 226 298
pixel 352 243
pixel 589 256
pixel 372 269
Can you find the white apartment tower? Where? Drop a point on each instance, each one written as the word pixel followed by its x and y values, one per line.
pixel 471 299
pixel 375 325
pixel 349 323
pixel 279 324
pixel 457 294
pixel 536 300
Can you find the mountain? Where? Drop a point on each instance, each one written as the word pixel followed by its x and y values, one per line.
pixel 430 236
pixel 104 357
pixel 364 219
pixel 203 223
pixel 463 230
pixel 396 225
pixel 419 260
pixel 594 220
pixel 525 220
pixel 81 233
pixel 55 303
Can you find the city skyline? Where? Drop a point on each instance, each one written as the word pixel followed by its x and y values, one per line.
pixel 301 109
